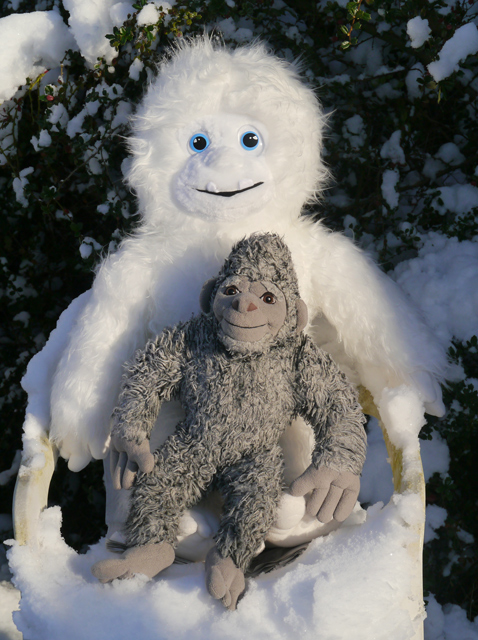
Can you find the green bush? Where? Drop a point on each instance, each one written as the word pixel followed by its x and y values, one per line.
pixel 64 203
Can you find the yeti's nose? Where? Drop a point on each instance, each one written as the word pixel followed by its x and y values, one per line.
pixel 243 304
pixel 220 157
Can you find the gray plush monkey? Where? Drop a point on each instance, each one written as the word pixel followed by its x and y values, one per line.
pixel 242 371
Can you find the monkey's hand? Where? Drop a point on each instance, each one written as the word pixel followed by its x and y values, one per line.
pixel 334 493
pixel 126 458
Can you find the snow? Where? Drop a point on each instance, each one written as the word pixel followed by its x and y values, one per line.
pixel 402 413
pixel 450 154
pixel 228 28
pixel 119 12
pixel 30 43
pixel 87 246
pixel 392 149
pixel 459 199
pixel 348 584
pixel 354 130
pixel 368 54
pixel 6 475
pixel 123 112
pixel 442 279
pixel 418 31
pixel 135 69
pixel 436 517
pixel 390 180
pixel 376 468
pixel 43 141
pixel 413 88
pixel 342 585
pixel 58 115
pixel 463 43
pixel 431 167
pixel 89 22
pixel 149 14
pixel 448 624
pixel 435 456
pixel 9 598
pixel 352 583
pixel 19 185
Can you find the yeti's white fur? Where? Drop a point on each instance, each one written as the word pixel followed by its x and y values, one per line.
pixel 186 230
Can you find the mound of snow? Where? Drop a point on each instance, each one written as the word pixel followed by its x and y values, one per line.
pixel 30 43
pixel 462 44
pixel 350 584
pixel 442 283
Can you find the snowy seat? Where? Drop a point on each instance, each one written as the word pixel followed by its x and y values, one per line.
pixel 361 581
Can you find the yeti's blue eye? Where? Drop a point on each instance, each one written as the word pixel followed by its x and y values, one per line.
pixel 250 140
pixel 199 142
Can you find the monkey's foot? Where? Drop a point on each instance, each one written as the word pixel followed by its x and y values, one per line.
pixel 149 559
pixel 224 580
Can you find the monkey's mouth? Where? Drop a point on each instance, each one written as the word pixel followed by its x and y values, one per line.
pixel 228 194
pixel 240 326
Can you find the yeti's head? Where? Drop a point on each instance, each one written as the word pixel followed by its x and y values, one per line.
pixel 225 134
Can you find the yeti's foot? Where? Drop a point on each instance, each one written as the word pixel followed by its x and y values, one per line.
pixel 224 580
pixel 149 559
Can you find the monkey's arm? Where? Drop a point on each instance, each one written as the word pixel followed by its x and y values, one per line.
pixel 327 400
pixel 152 378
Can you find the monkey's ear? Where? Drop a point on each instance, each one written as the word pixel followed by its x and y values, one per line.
pixel 205 295
pixel 302 315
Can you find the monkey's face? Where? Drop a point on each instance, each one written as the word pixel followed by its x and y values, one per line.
pixel 225 174
pixel 249 312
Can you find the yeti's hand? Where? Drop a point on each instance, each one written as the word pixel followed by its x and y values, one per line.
pixel 334 493
pixel 430 393
pixel 126 458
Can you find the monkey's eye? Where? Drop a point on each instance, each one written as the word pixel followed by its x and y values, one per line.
pixel 250 140
pixel 268 298
pixel 199 142
pixel 231 290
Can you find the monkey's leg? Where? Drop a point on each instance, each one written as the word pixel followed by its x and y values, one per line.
pixel 158 500
pixel 252 490
pixel 182 472
pixel 150 559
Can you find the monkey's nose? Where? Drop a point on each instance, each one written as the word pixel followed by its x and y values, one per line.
pixel 243 305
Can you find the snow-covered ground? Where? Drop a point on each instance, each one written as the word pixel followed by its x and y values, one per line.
pixel 345 585
pixel 348 584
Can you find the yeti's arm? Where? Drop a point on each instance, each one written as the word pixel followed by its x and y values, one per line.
pixel 105 335
pixel 366 322
pixel 327 400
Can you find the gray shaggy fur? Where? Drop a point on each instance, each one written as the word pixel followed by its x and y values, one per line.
pixel 237 404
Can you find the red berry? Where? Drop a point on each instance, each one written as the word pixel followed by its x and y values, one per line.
pixel 50 98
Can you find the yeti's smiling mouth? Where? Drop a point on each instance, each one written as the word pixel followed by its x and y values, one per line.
pixel 228 194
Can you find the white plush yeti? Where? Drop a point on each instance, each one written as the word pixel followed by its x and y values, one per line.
pixel 226 143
